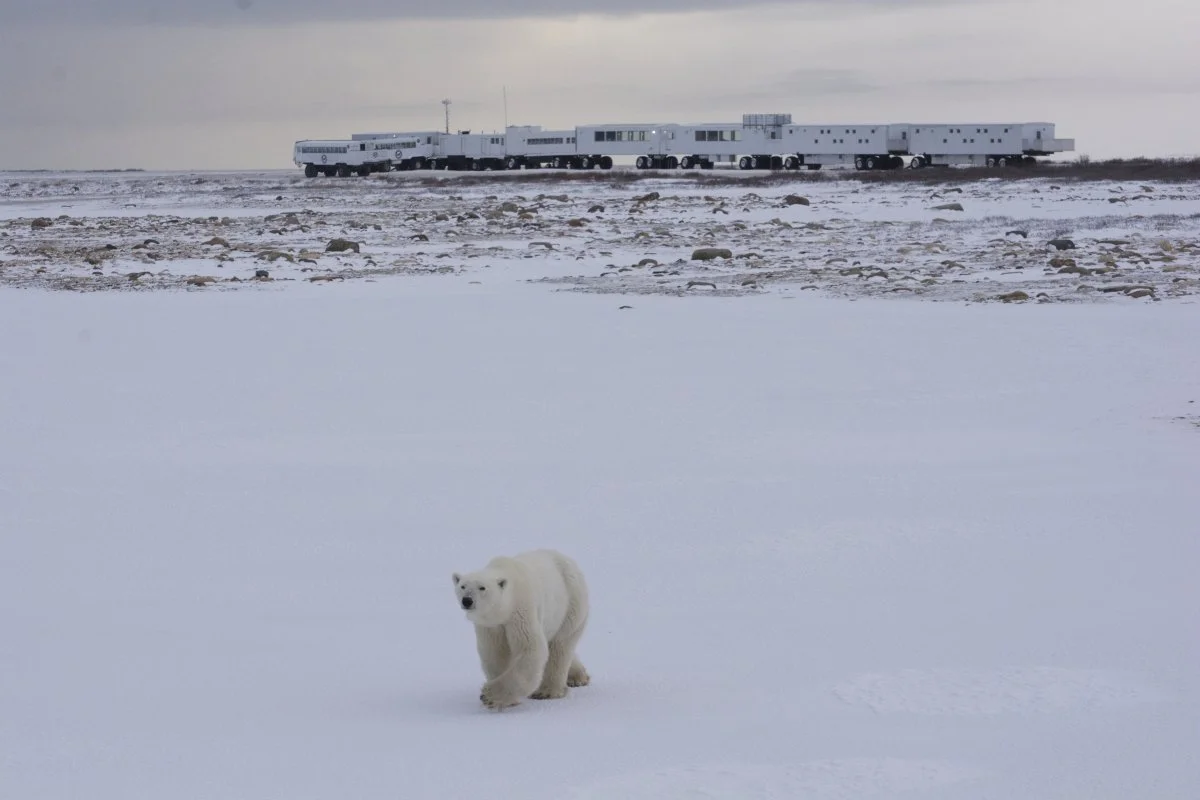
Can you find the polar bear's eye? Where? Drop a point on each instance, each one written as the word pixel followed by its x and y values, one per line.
pixel 483 588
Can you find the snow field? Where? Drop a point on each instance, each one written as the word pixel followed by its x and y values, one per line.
pixel 883 548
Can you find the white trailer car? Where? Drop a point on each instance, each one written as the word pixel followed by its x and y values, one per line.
pixel 1038 139
pixel 599 143
pixel 863 145
pixel 529 146
pixel 341 157
pixel 471 151
pixel 992 144
pixel 705 144
pixel 417 148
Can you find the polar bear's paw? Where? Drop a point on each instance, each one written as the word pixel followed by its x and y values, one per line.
pixel 497 697
pixel 549 694
pixel 578 676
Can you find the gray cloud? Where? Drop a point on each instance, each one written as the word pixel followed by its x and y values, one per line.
pixel 283 12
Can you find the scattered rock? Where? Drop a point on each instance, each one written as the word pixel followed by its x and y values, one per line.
pixel 949 207
pixel 1061 244
pixel 796 200
pixel 342 246
pixel 1013 297
pixel 711 253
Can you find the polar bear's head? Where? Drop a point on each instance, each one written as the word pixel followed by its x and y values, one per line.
pixel 485 596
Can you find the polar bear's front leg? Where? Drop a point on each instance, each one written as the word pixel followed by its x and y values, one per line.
pixel 492 644
pixel 529 652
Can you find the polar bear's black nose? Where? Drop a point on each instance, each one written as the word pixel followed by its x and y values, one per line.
pixel 467 602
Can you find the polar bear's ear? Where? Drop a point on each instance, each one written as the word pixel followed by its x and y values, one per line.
pixel 502 582
pixel 457 578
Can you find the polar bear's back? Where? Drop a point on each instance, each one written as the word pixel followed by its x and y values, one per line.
pixel 559 587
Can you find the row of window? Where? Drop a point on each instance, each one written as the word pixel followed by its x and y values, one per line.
pixel 719 136
pixel 622 136
pixel 553 140
pixel 395 145
pixel 322 148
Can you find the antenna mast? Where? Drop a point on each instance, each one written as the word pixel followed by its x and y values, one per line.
pixel 505 108
pixel 446 103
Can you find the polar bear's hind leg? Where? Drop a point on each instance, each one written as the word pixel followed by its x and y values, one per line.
pixel 577 675
pixel 558 666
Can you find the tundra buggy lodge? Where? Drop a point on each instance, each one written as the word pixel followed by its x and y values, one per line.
pixel 760 141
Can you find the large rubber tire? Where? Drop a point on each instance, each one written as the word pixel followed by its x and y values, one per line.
pixel 606 162
pixel 672 162
pixel 310 170
pixel 745 162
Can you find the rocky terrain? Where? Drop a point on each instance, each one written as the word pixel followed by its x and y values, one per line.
pixel 990 240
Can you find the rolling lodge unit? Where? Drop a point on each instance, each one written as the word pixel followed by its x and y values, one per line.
pixel 759 141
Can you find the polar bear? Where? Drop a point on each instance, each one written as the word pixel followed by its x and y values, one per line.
pixel 529 611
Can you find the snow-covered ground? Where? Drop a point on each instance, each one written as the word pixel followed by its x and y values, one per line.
pixel 842 543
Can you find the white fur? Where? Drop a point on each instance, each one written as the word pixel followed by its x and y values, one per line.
pixel 529 611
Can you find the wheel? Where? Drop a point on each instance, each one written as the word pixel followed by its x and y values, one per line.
pixel 1001 162
pixel 641 162
pixel 991 162
pixel 745 162
pixel 585 162
pixel 511 163
pixel 310 170
pixel 672 162
pixel 916 163
pixel 869 162
pixel 685 162
pixel 791 162
pixel 776 162
pixel 364 171
pixel 858 163
pixel 606 162
pixel 343 171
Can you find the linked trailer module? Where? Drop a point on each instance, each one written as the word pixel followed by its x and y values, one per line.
pixel 759 141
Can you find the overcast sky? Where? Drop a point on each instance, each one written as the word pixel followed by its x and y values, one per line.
pixel 217 84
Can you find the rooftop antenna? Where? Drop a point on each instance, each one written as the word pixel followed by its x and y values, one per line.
pixel 446 103
pixel 505 108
